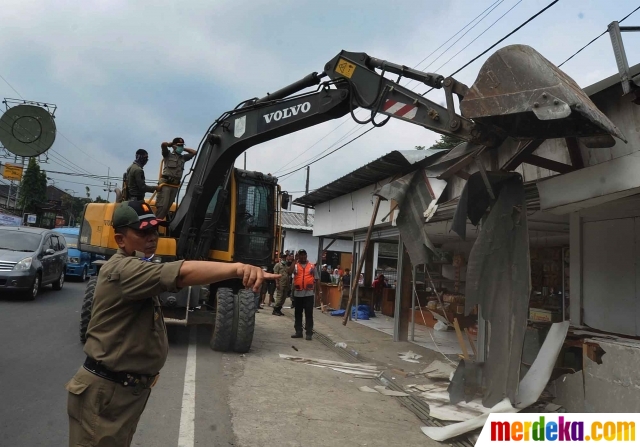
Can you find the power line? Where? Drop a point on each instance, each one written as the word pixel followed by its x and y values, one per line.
pixel 489 8
pixel 458 40
pixel 479 35
pixel 603 33
pixel 335 150
pixel 7 82
pixel 504 38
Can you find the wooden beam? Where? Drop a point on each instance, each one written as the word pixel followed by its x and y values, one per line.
pixel 527 149
pixel 461 164
pixel 548 164
pixel 330 244
pixel 574 153
pixel 355 276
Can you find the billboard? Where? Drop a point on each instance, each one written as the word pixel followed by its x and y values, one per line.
pixel 9 220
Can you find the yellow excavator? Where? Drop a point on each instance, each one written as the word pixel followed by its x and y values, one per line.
pixel 227 214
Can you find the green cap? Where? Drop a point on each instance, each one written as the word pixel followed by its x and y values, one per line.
pixel 135 214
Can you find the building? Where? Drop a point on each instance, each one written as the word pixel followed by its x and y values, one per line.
pixel 296 235
pixel 583 217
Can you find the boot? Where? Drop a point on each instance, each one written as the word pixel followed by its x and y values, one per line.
pixel 309 336
pixel 277 311
pixel 297 335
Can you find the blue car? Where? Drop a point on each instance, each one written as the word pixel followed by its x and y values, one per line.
pixel 79 264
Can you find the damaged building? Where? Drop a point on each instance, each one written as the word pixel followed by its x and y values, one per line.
pixel 511 242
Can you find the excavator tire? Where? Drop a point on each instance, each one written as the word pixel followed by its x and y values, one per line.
pixel 87 305
pixel 221 340
pixel 246 321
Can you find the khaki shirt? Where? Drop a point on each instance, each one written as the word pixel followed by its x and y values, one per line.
pixel 281 269
pixel 174 165
pixel 136 185
pixel 127 331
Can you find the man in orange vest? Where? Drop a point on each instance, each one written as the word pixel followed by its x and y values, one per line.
pixel 305 283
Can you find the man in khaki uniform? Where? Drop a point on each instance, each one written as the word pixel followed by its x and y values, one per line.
pixel 136 185
pixel 171 174
pixel 282 284
pixel 127 340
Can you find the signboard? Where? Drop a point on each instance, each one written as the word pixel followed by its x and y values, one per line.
pixel 12 172
pixel 31 218
pixel 10 221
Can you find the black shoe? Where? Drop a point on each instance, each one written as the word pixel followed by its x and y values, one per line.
pixel 297 335
pixel 279 313
pixel 308 337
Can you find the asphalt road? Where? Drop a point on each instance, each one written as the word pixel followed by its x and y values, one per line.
pixel 40 351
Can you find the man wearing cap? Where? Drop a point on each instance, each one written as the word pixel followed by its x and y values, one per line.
pixel 282 284
pixel 305 283
pixel 171 174
pixel 136 184
pixel 127 339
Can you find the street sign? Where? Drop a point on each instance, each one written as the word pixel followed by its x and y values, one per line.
pixel 12 172
pixel 31 218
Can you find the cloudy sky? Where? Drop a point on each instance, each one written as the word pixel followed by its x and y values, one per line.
pixel 131 74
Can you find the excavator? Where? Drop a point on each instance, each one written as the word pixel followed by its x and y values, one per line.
pixel 229 215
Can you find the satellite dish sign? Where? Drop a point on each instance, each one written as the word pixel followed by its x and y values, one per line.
pixel 27 130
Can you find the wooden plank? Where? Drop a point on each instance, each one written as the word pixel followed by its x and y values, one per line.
pixel 459 165
pixel 463 346
pixel 518 158
pixel 546 163
pixel 356 275
pixel 473 345
pixel 574 153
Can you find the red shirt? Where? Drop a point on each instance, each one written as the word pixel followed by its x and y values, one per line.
pixel 378 285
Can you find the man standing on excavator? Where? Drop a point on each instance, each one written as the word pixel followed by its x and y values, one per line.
pixel 136 186
pixel 171 174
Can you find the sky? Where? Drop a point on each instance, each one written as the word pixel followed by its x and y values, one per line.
pixel 127 75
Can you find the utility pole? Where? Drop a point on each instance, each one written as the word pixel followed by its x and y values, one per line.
pixel 245 161
pixel 306 191
pixel 108 184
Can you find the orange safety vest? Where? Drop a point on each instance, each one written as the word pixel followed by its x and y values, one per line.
pixel 304 277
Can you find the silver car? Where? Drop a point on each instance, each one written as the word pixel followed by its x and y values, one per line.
pixel 31 258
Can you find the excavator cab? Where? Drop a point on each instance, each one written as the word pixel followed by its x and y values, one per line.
pixel 245 219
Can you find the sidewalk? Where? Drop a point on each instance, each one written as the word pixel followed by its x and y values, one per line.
pixel 278 402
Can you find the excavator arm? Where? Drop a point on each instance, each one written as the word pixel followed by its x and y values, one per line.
pixel 354 83
pixel 277 114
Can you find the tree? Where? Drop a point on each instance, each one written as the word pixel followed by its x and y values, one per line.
pixel 33 188
pixel 420 148
pixel 446 142
pixel 100 200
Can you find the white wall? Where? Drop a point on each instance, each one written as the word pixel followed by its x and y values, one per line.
pixel 295 240
pixel 349 212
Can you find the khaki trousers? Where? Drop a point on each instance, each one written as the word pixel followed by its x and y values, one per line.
pixel 102 413
pixel 164 199
pixel 281 296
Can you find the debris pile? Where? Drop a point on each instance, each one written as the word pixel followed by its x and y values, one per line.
pixel 359 370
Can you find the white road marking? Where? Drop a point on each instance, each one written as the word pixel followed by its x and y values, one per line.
pixel 188 414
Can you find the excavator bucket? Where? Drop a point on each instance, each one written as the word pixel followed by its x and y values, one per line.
pixel 525 96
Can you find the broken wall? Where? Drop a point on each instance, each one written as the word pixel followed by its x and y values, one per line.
pixel 612 387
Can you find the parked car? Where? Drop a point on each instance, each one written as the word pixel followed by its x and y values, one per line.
pixel 31 258
pixel 80 263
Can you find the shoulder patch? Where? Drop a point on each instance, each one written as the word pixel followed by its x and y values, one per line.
pixel 113 277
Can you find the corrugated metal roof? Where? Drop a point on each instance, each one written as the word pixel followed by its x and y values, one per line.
pixel 395 162
pixel 295 221
pixel 610 81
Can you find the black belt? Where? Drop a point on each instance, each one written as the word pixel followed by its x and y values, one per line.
pixel 139 381
pixel 170 180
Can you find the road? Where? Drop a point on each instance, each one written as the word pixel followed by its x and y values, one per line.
pixel 40 351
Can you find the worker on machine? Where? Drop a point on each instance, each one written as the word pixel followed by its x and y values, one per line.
pixel 171 174
pixel 136 186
